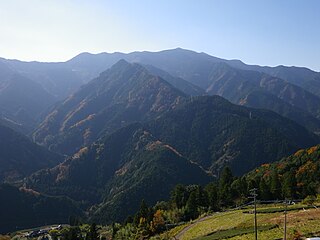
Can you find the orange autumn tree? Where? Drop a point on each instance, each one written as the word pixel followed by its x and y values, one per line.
pixel 157 224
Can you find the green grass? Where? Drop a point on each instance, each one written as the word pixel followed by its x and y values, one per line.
pixel 238 225
pixel 219 222
pixel 234 232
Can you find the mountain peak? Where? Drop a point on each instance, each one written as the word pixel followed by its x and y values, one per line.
pixel 122 63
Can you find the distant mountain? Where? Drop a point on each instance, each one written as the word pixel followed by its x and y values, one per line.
pixel 179 83
pixel 123 168
pixel 231 79
pixel 63 78
pixel 21 99
pixel 300 76
pixel 236 85
pixel 19 157
pixel 123 94
pixel 262 99
pixel 192 66
pixel 58 79
pixel 23 208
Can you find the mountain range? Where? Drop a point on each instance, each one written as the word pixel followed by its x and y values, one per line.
pixel 108 130
pixel 205 74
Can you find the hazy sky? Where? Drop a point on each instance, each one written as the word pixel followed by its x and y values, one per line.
pixel 269 32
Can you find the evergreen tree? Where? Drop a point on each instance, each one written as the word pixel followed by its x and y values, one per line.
pixel 144 210
pixel 212 193
pixel 192 206
pixel 226 177
pixel 202 197
pixel 225 181
pixel 275 185
pixel 143 213
pixel 289 185
pixel 264 191
pixel 178 196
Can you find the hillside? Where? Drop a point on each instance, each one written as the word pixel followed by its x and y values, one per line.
pixel 121 95
pixel 20 157
pixel 179 83
pixel 23 208
pixel 265 100
pixel 238 224
pixel 265 92
pixel 128 164
pixel 204 133
pixel 303 77
pixel 213 132
pixel 299 171
pixel 294 177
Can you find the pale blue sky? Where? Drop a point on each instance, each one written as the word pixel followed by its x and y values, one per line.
pixel 269 32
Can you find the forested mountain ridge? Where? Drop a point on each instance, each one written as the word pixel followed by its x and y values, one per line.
pixel 19 157
pixel 295 176
pixel 23 208
pixel 260 90
pixel 129 163
pixel 214 132
pixel 197 138
pixel 121 95
pixel 265 100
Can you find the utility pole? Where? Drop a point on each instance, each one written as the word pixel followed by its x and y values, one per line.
pixel 285 219
pixel 253 193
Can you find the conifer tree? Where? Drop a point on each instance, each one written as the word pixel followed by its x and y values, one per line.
pixel 275 185
pixel 192 206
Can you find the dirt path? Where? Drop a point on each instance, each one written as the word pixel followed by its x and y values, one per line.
pixel 183 231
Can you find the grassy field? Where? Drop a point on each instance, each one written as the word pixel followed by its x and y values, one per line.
pixel 238 224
